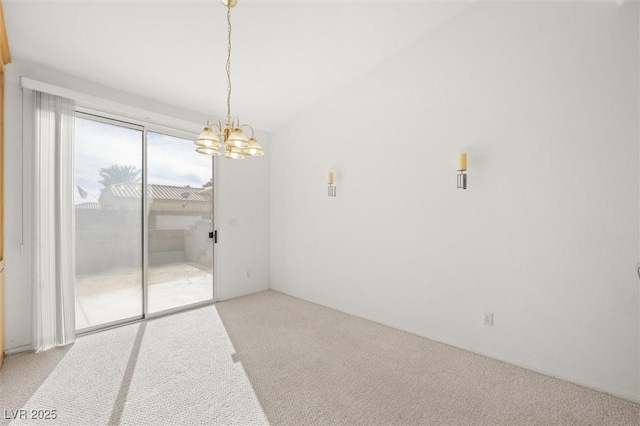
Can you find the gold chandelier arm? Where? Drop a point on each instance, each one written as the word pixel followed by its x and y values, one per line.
pixel 229 61
pixel 217 119
pixel 249 126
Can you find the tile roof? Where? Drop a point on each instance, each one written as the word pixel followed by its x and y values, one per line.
pixel 88 206
pixel 159 192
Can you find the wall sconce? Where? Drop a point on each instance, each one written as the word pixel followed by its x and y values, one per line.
pixel 332 188
pixel 462 171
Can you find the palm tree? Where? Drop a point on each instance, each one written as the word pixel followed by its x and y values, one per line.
pixel 118 174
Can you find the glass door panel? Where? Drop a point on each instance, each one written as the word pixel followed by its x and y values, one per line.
pixel 108 221
pixel 179 219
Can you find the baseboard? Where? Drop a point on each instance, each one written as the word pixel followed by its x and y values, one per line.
pixel 593 386
pixel 596 387
pixel 19 349
pixel 235 296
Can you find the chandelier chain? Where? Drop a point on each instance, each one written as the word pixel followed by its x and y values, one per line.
pixel 229 61
pixel 229 139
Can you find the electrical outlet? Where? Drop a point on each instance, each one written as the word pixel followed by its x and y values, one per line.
pixel 487 318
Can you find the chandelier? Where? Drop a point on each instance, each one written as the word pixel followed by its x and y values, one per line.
pixel 228 140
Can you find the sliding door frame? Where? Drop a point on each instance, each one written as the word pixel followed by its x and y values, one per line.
pixel 154 128
pixel 145 127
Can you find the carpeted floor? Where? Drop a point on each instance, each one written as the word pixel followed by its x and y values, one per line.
pixel 177 370
pixel 271 358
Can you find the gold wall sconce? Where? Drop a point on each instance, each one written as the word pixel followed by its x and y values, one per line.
pixel 332 187
pixel 462 171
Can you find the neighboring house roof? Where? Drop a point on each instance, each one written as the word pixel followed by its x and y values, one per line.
pixel 158 192
pixel 88 206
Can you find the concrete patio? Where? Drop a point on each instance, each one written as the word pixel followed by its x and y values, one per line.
pixel 117 295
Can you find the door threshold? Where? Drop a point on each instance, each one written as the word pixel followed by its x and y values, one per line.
pixel 129 321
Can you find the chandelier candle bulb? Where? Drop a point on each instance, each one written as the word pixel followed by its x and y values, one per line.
pixel 330 178
pixel 462 161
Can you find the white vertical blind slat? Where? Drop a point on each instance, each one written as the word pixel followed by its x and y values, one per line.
pixel 54 276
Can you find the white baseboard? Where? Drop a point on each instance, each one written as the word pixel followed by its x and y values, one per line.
pixel 19 349
pixel 594 386
pixel 597 387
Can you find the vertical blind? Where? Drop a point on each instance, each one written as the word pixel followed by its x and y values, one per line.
pixel 54 265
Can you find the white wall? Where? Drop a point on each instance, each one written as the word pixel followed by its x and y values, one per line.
pixel 544 98
pixel 243 224
pixel 243 193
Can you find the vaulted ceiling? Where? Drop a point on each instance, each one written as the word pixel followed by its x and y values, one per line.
pixel 286 55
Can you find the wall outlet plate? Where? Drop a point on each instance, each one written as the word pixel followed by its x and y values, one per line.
pixel 487 318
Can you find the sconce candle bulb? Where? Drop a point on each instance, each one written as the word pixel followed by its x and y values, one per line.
pixel 462 161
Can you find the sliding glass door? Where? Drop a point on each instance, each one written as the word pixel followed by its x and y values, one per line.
pixel 143 218
pixel 179 220
pixel 108 221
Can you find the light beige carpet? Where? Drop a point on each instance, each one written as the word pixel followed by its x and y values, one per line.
pixel 176 370
pixel 310 365
pixel 273 358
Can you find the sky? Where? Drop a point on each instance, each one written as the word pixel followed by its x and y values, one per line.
pixel 171 160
